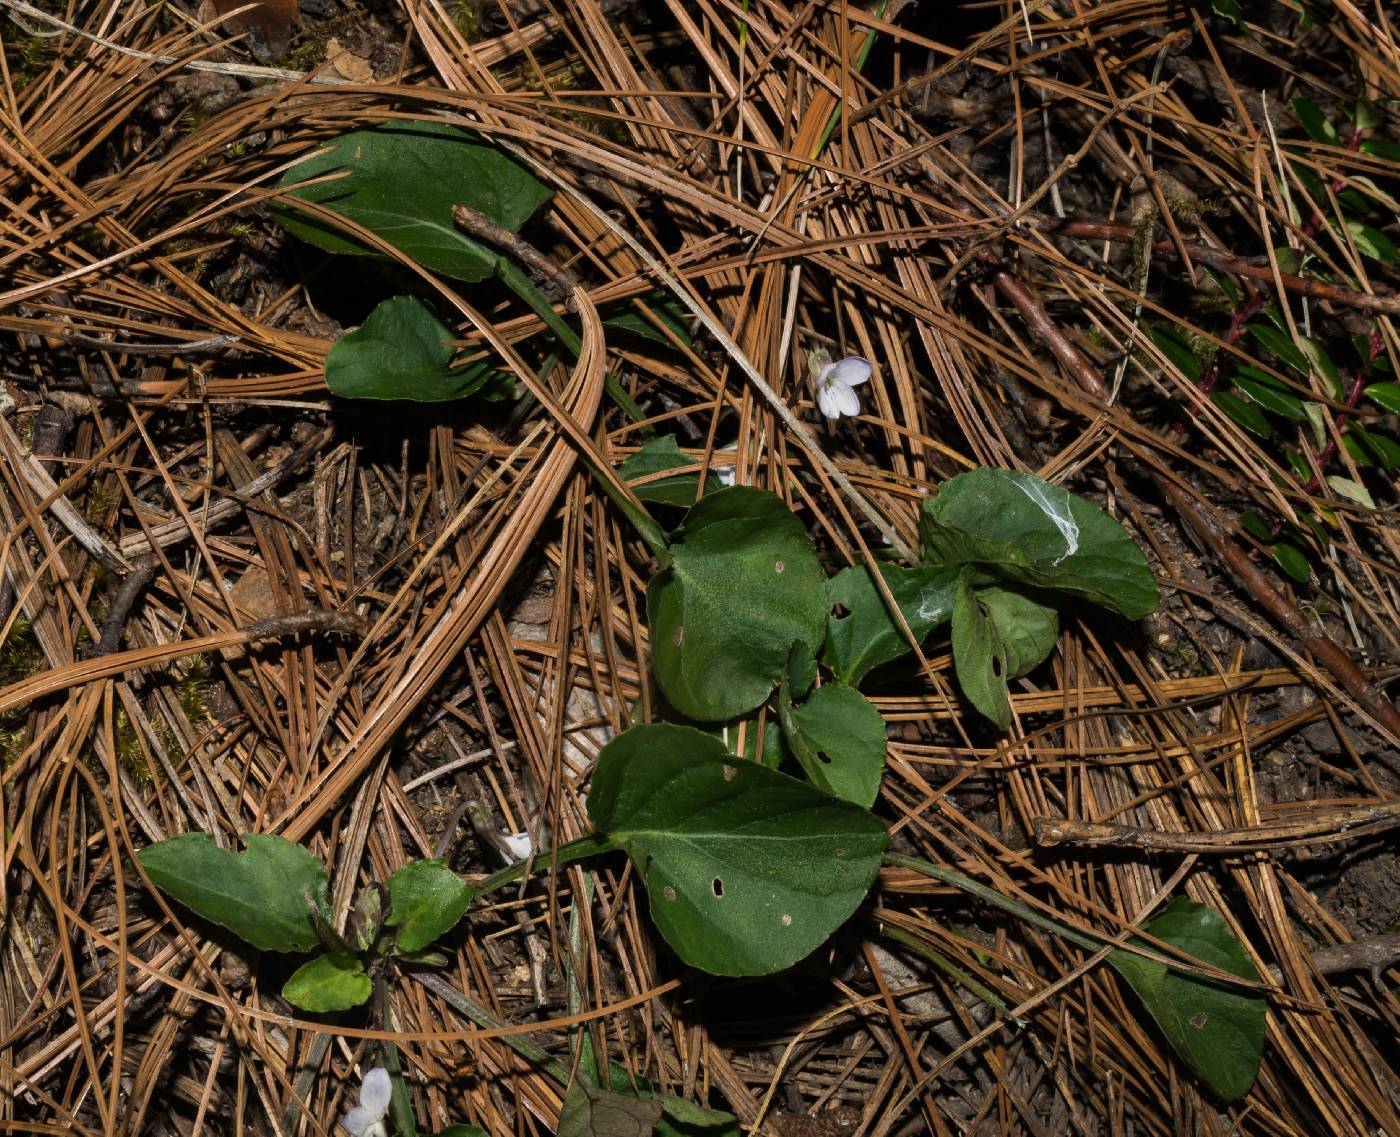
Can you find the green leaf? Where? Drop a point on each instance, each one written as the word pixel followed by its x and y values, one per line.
pixel 591 1112
pixel 1372 242
pixel 260 895
pixel 1351 490
pixel 630 321
pixel 866 635
pixel 681 1118
pixel 401 181
pixel 426 898
pixel 1386 395
pixel 657 456
pixel 1317 420
pixel 1321 362
pixel 1312 120
pixel 1254 525
pixel 1368 116
pixel 1246 415
pixel 1228 10
pixel 840 743
pixel 402 351
pixel 1271 398
pixel 1282 345
pixel 1292 560
pixel 462 1131
pixel 743 586
pixel 1177 348
pixel 334 982
pixel 1382 148
pixel 1028 530
pixel 1218 1030
pixel 747 870
pixel 1028 629
pixel 1228 288
pixel 1370 448
pixel 979 657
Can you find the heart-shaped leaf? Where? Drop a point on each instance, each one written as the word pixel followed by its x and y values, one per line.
pixel 999 634
pixel 400 181
pixel 263 895
pixel 839 738
pixel 743 586
pixel 426 898
pixel 1217 1029
pixel 402 351
pixel 1028 530
pixel 864 634
pixel 334 982
pixel 747 870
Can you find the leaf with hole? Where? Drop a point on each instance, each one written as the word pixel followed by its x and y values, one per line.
pixel 1027 530
pixel 1216 1028
pixel 426 899
pixel 747 870
pixel 334 982
pixel 839 739
pixel 1243 414
pixel 743 586
pixel 402 351
pixel 999 634
pixel 400 181
pixel 262 895
pixel 864 634
pixel 657 457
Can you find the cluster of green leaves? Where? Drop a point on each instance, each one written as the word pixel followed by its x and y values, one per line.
pixel 1361 201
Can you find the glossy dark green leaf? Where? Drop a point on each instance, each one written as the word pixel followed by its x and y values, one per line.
pixel 1379 449
pixel 1177 348
pixel 1386 395
pixel 743 586
pixel 1314 122
pixel 1368 116
pixel 1245 414
pixel 1228 288
pixel 747 870
pixel 656 457
pixel 1298 464
pixel 1372 242
pixel 426 899
pixel 1282 345
pixel 1025 529
pixel 1382 148
pixel 1216 1028
pixel 840 743
pixel 1228 10
pixel 263 895
pixel 1254 525
pixel 1292 560
pixel 401 181
pixel 402 351
pixel 334 982
pixel 862 633
pixel 1271 398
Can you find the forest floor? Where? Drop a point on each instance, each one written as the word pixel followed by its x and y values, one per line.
pixel 1144 250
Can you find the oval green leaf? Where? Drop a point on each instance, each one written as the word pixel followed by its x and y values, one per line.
pixel 1386 395
pixel 334 982
pixel 262 895
pixel 1272 398
pixel 402 351
pixel 743 586
pixel 400 181
pixel 1244 414
pixel 1025 529
pixel 426 898
pixel 747 870
pixel 1217 1029
pixel 840 741
pixel 1292 560
pixel 864 634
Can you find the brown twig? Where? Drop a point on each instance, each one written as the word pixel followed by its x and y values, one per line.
pixel 558 282
pixel 1320 826
pixel 132 585
pixel 1385 303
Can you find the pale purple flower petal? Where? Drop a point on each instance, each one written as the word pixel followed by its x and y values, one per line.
pixel 358 1120
pixel 836 400
pixel 852 371
pixel 376 1090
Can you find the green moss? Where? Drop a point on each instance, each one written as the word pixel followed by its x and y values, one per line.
pixel 20 657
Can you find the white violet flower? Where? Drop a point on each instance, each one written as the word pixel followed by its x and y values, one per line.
pixel 367 1118
pixel 725 475
pixel 836 384
pixel 519 845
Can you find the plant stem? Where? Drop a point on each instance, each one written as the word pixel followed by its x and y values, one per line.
pixel 592 845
